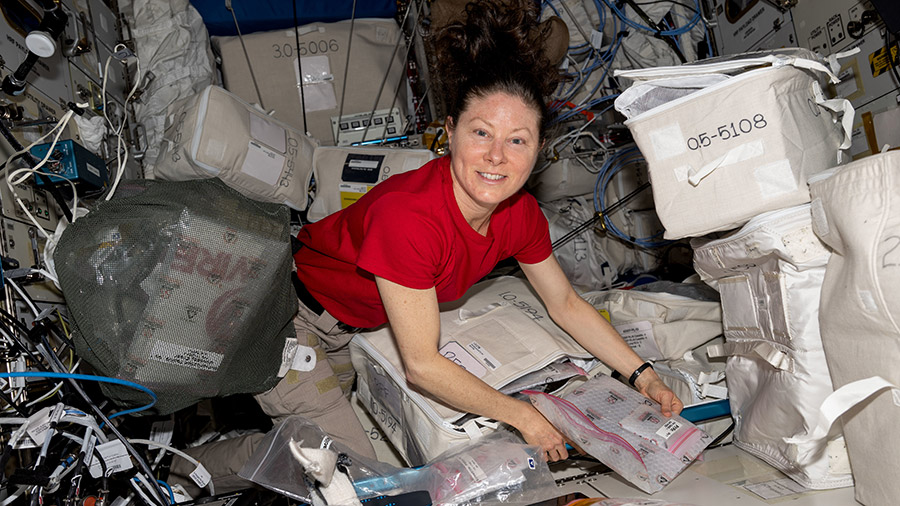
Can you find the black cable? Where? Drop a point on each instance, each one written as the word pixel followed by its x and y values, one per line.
pixel 668 40
pixel 887 42
pixel 9 401
pixel 20 342
pixel 300 69
pixel 145 468
pixel 720 437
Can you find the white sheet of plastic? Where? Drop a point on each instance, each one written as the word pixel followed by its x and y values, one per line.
pixel 172 43
pixel 625 430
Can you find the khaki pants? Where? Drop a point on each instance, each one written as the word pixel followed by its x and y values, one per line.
pixel 320 395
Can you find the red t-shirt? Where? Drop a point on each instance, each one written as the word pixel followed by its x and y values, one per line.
pixel 409 230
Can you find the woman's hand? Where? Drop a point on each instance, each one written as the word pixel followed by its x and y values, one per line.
pixel 653 388
pixel 537 431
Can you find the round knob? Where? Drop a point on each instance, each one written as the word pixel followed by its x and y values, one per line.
pixel 40 43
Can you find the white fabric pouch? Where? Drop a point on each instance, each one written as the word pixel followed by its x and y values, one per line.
pixel 313 75
pixel 343 175
pixel 769 275
pixel 729 140
pixel 659 325
pixel 216 134
pixel 856 211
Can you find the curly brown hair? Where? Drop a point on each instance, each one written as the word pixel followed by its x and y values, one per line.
pixel 499 47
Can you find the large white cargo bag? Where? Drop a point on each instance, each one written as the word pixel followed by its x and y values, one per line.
pixel 499 331
pixel 216 134
pixel 856 211
pixel 769 275
pixel 729 140
pixel 323 59
pixel 343 175
pixel 661 325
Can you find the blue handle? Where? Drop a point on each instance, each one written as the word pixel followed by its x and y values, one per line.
pixel 706 411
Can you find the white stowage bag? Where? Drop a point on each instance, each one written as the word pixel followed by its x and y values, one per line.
pixel 323 58
pixel 216 134
pixel 499 331
pixel 343 175
pixel 856 211
pixel 730 139
pixel 769 275
pixel 660 325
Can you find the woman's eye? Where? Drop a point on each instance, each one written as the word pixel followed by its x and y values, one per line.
pixel 481 133
pixel 518 141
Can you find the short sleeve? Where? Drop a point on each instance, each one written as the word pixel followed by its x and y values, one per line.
pixel 533 231
pixel 400 243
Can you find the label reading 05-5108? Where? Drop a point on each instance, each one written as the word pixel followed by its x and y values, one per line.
pixel 727 131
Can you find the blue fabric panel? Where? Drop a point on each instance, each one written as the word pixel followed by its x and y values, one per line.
pixel 265 15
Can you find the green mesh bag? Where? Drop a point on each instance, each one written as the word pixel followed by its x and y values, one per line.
pixel 183 287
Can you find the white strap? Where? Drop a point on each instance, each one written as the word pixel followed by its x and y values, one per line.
pixel 776 358
pixel 802 63
pixel 714 391
pixel 840 106
pixel 727 66
pixel 840 402
pixel 472 430
pixel 833 59
pixel 738 154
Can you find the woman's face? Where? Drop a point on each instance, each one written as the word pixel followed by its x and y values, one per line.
pixel 494 145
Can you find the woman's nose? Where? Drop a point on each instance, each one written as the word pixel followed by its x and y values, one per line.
pixel 496 154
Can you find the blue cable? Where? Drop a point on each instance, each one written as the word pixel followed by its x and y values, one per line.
pixel 610 168
pixel 678 31
pixel 88 377
pixel 168 489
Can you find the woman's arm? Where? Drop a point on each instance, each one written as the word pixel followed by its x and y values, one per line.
pixel 593 332
pixel 415 321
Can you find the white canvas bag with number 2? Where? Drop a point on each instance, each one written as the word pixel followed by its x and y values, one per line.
pixel 728 140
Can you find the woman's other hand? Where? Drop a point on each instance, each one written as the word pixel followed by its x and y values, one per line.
pixel 653 388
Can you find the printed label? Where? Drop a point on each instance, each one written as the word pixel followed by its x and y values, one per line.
pixel 201 476
pixel 93 170
pixel 287 356
pixel 263 163
pixel 161 432
pixel 639 335
pixel 114 455
pixel 882 59
pixel 362 168
pixel 38 426
pixel 482 354
pixel 474 470
pixel 351 192
pixel 171 353
pixel 774 489
pixel 670 427
pixel 455 353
